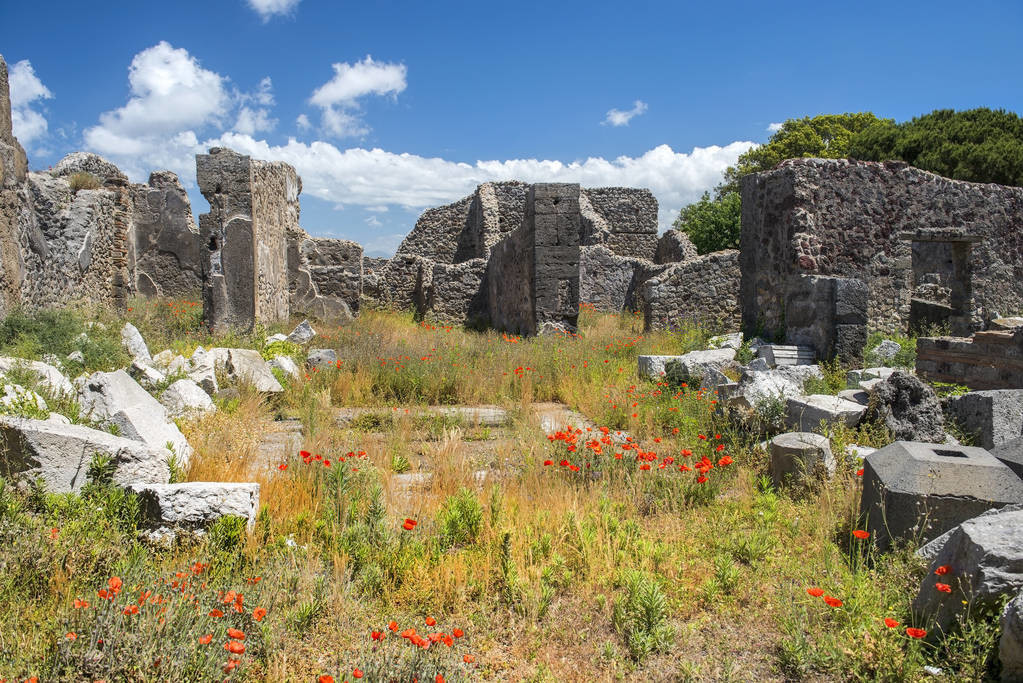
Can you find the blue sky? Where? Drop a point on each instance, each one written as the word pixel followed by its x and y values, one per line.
pixel 387 108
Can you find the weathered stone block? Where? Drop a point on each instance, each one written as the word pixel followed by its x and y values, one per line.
pixel 195 505
pixel 778 355
pixel 61 453
pixel 1011 453
pixel 806 413
pixel 917 491
pixel 1010 646
pixel 993 417
pixel 799 456
pixel 185 398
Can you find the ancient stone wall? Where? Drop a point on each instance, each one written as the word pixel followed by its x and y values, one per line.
pixel 844 218
pixel 325 276
pixel 13 197
pixel 703 290
pixel 987 360
pixel 533 275
pixel 275 190
pixel 164 242
pixel 674 246
pixel 629 218
pixel 455 293
pixel 613 283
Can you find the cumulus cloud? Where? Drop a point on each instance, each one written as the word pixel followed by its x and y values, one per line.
pixel 617 117
pixel 773 127
pixel 339 97
pixel 28 123
pixel 375 177
pixel 254 115
pixel 267 9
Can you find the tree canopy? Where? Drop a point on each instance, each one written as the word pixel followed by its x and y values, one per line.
pixel 981 145
pixel 712 224
pixel 827 136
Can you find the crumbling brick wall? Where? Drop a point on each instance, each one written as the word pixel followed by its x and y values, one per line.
pixel 703 290
pixel 844 218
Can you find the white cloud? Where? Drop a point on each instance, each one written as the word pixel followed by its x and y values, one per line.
pixel 373 222
pixel 773 127
pixel 28 123
pixel 383 245
pixel 254 119
pixel 268 8
pixel 339 97
pixel 376 178
pixel 303 122
pixel 170 96
pixel 617 117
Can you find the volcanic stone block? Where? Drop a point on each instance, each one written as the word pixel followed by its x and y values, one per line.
pixel 994 417
pixel 796 456
pixel 916 491
pixel 245 263
pixel 984 556
pixel 533 275
pixel 1010 647
pixel 1011 453
pixel 828 314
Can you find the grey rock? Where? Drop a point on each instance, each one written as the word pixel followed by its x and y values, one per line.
pixel 86 162
pixel 49 376
pixel 246 366
pixel 286 365
pixel 61 453
pixel 302 334
pixel 203 371
pixel 194 506
pixel 887 349
pixel 1011 453
pixel 132 340
pixel 273 338
pixel 12 396
pixel 806 413
pixel 703 367
pixel 758 365
pixel 909 408
pixel 868 385
pixel 1010 647
pixel 779 383
pixel 732 340
pixel 322 359
pixel 994 417
pixel 652 367
pixel 917 491
pixel 855 395
pixel 116 398
pixel 778 355
pixel 859 452
pixel 854 377
pixel 185 398
pixel 928 551
pixel 76 357
pixel 145 374
pixel 1007 323
pixel 796 456
pixel 985 557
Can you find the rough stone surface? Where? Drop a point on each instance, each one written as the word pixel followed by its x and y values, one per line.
pixel 1010 646
pixel 993 417
pixel 806 413
pixel 855 395
pixel 195 505
pixel 779 355
pixel 286 365
pixel 49 376
pixel 202 370
pixel 145 374
pixel 985 557
pixel 533 275
pixel 674 246
pixel 185 398
pixel 845 218
pixel 755 386
pixel 702 290
pixel 245 366
pixel 61 454
pixel 85 162
pixel 829 314
pixel 887 350
pixel 987 360
pixel 322 359
pixel 253 207
pixel 133 342
pixel 1011 453
pixel 611 282
pixel 798 455
pixel 164 240
pixel 909 408
pixel 325 276
pixel 917 491
pixel 116 398
pixel 302 334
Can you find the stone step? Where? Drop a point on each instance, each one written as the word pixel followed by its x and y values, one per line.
pixel 778 354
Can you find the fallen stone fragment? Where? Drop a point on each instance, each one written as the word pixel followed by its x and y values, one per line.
pixel 194 506
pixel 322 359
pixel 777 384
pixel 60 454
pixel 887 349
pixel 778 355
pixel 245 366
pixel 49 376
pixel 993 417
pixel 855 395
pixel 185 398
pixel 1011 453
pixel 302 334
pixel 797 457
pixel 116 398
pixel 1010 647
pixel 145 374
pixel 132 340
pixel 286 365
pixel 909 408
pixel 806 413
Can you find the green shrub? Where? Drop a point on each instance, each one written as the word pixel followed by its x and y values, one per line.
pixel 641 616
pixel 461 519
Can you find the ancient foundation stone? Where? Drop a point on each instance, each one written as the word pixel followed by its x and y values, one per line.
pixel 917 491
pixel 194 506
pixel 806 413
pixel 797 456
pixel 987 360
pixel 993 417
pixel 253 204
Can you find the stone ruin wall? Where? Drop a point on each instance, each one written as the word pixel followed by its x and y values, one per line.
pixel 701 290
pixel 275 214
pixel 844 218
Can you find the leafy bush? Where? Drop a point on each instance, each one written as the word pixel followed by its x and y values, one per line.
pixel 641 616
pixel 461 519
pixel 712 224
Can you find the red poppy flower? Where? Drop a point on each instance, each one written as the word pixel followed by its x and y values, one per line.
pixel 216 613
pixel 377 635
pixel 305 454
pixel 409 524
pixel 915 632
pixel 115 584
pixel 859 472
pixel 430 621
pixel 356 673
pixel 234 647
pixel 468 659
pixel 71 635
pixel 438 679
pixel 457 633
pixel 393 625
pixel 833 602
pixel 890 623
pixel 79 604
pixel 325 678
pixel 258 614
pixel 861 534
pixel 547 463
pixel 815 592
pixel 236 634
pixel 942 570
pixel 283 466
pixel 701 479
pixel 943 587
pixel 205 640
